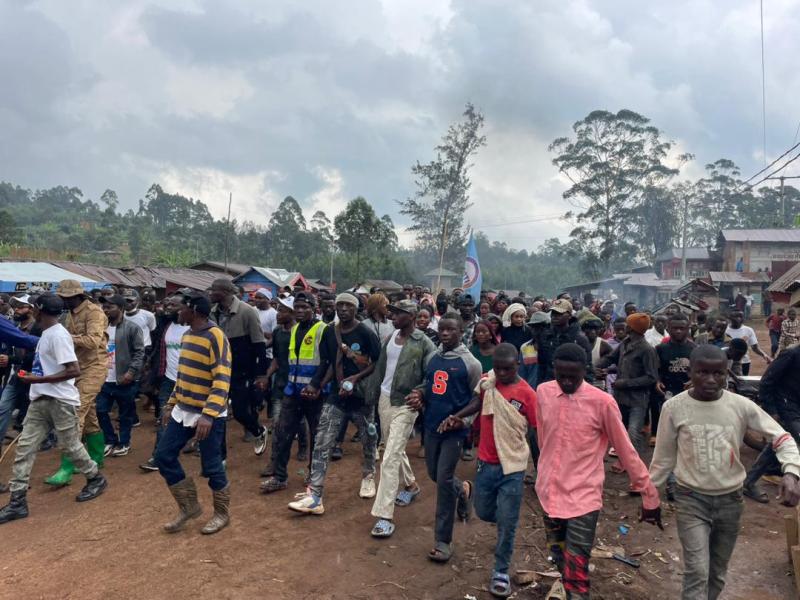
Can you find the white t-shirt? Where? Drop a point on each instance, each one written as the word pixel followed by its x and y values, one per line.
pixel 393 351
pixel 172 345
pixel 744 333
pixel 654 338
pixel 190 419
pixel 269 321
pixel 111 346
pixel 54 350
pixel 146 322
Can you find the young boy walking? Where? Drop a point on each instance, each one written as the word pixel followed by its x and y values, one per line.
pixel 699 436
pixel 54 405
pixel 507 409
pixel 451 375
pixel 575 424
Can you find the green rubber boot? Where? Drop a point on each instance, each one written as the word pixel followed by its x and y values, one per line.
pixel 63 476
pixel 95 445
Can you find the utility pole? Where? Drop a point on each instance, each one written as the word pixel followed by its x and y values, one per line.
pixel 227 228
pixel 782 179
pixel 683 237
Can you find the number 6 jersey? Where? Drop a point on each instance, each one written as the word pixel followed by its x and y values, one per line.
pixel 450 377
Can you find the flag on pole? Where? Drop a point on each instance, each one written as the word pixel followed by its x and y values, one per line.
pixel 473 281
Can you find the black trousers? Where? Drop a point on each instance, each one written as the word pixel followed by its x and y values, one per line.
pixel 442 453
pixel 245 402
pixel 293 410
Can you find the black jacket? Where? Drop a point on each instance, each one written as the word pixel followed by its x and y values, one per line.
pixel 637 371
pixel 779 390
pixel 551 338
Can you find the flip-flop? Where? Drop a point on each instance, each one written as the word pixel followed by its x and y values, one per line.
pixel 441 552
pixel 383 529
pixel 500 585
pixel 406 497
pixel 557 591
pixel 756 494
pixel 464 506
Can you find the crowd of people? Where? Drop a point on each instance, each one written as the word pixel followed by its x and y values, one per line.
pixel 540 390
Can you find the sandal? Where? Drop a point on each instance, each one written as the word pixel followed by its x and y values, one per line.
pixel 557 591
pixel 755 493
pixel 406 497
pixel 273 484
pixel 441 553
pixel 500 585
pixel 383 529
pixel 464 506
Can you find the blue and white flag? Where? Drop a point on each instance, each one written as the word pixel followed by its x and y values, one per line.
pixel 473 281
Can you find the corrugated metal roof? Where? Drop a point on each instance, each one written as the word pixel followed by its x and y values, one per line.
pixel 761 235
pixel 737 277
pixel 691 254
pixel 235 268
pixel 787 281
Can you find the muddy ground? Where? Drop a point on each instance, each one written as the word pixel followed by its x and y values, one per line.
pixel 114 548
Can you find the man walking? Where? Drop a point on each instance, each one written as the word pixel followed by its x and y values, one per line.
pixel 400 369
pixel 637 374
pixel 125 360
pixel 167 367
pixel 301 398
pixel 349 352
pixel 737 330
pixel 197 408
pixel 563 329
pixel 54 405
pixel 87 325
pixel 774 327
pixel 242 327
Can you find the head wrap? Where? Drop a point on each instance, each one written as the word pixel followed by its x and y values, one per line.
pixel 511 310
pixel 264 292
pixel 347 299
pixel 638 322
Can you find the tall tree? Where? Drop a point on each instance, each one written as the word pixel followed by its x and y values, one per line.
pixel 287 227
pixel 611 161
pixel 442 198
pixel 356 228
pixel 720 201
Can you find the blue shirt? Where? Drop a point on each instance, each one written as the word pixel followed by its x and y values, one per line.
pixel 450 379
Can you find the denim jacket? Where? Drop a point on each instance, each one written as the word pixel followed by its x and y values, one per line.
pixel 410 371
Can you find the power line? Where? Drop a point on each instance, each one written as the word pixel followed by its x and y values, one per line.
pixel 763 85
pixel 552 217
pixel 786 164
pixel 769 165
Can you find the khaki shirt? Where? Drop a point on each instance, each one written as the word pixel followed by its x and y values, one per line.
pixel 87 324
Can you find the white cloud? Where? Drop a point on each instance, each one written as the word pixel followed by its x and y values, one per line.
pixel 330 198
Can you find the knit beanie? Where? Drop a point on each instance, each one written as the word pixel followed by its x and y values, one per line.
pixel 638 322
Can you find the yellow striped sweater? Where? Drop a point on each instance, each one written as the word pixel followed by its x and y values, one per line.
pixel 204 371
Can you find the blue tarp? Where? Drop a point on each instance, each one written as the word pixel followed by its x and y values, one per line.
pixel 20 276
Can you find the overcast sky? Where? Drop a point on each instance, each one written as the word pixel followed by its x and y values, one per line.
pixel 325 100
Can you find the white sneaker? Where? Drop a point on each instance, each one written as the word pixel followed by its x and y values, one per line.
pixel 121 451
pixel 108 449
pixel 308 504
pixel 368 489
pixel 260 443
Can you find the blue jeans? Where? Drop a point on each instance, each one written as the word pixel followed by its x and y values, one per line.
pixel 497 500
pixel 164 392
pixel 634 417
pixel 174 438
pixel 125 397
pixel 8 399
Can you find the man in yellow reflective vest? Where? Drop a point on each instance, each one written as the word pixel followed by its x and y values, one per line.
pixel 301 398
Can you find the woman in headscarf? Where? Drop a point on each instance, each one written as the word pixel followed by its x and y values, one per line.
pixel 514 331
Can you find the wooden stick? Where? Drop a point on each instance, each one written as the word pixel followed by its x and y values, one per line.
pixel 796 564
pixel 790 521
pixel 8 448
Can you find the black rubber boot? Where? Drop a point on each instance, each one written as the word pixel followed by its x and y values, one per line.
pixel 93 488
pixel 17 508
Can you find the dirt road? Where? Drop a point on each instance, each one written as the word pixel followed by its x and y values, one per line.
pixel 114 548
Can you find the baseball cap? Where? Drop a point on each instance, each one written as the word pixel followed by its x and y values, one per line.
pixel 69 288
pixel 115 299
pixel 305 297
pixel 287 301
pixel 24 300
pixel 129 294
pixel 406 306
pixel 539 318
pixel 50 304
pixel 561 306
pixel 199 304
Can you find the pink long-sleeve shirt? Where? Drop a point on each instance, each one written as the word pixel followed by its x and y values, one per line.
pixel 574 431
